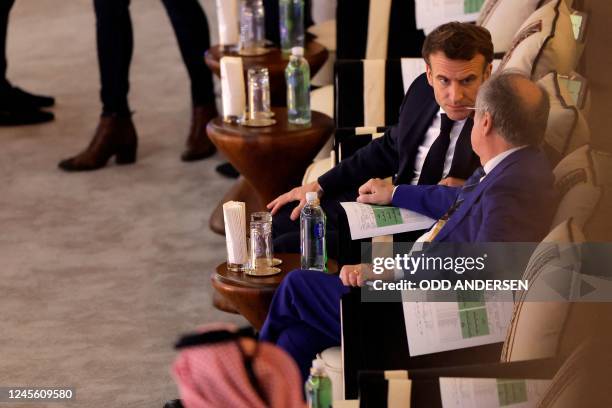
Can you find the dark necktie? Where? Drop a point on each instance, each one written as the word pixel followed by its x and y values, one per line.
pixel 470 184
pixel 431 172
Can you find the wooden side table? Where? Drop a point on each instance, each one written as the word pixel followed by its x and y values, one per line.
pixel 252 295
pixel 315 54
pixel 270 159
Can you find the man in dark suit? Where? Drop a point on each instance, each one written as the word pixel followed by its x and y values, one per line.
pixel 429 145
pixel 510 198
pixel 509 157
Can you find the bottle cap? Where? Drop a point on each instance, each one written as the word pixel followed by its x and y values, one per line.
pixel 318 364
pixel 311 196
pixel 297 51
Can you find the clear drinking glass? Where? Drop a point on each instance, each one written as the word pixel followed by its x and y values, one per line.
pixel 262 252
pixel 259 93
pixel 252 27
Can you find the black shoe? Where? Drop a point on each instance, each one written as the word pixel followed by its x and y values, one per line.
pixel 227 170
pixel 14 98
pixel 24 117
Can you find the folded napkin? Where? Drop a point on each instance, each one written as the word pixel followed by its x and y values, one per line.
pixel 233 92
pixel 234 216
pixel 227 19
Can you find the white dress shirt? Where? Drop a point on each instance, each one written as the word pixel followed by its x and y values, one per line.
pixel 430 137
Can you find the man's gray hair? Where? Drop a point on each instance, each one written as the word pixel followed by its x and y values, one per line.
pixel 518 121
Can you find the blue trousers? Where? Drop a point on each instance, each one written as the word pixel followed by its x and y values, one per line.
pixel 304 317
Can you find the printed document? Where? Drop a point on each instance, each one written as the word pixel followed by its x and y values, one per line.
pixel 432 13
pixel 432 327
pixel 491 392
pixel 366 221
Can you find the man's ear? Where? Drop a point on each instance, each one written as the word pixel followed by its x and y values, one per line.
pixel 429 74
pixel 488 71
pixel 487 123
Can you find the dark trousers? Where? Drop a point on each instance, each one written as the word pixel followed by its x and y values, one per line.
pixel 304 317
pixel 286 233
pixel 5 9
pixel 115 45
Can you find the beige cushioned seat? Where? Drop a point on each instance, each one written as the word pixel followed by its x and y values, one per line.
pixel 503 18
pixel 554 328
pixel 567 128
pixel 333 366
pixel 544 43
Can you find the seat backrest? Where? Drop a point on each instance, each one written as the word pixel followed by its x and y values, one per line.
pixel 377 29
pixel 370 92
pixel 546 320
pixel 567 128
pixel 503 18
pixel 544 43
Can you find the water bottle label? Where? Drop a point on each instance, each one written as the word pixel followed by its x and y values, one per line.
pixel 319 230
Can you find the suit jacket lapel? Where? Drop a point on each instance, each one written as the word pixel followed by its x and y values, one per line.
pixel 413 133
pixel 472 196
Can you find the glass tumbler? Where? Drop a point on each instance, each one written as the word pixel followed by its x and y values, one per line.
pixel 262 252
pixel 259 93
pixel 252 27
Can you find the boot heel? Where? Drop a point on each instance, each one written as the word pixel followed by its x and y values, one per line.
pixel 126 155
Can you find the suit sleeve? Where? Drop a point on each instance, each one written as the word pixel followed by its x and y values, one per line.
pixel 378 159
pixel 432 201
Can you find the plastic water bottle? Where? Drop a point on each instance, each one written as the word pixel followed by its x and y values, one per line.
pixel 291 22
pixel 318 387
pixel 260 23
pixel 312 234
pixel 297 75
pixel 252 25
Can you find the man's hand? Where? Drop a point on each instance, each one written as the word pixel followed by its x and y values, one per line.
pixel 452 182
pixel 375 191
pixel 353 275
pixel 297 194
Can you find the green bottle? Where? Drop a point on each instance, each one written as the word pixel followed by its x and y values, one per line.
pixel 318 386
pixel 297 76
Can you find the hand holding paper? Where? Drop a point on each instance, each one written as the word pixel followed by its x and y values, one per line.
pixel 376 191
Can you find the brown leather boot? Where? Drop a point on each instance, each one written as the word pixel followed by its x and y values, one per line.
pixel 199 145
pixel 115 136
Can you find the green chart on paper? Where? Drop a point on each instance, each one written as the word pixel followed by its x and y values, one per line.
pixel 511 392
pixel 473 315
pixel 386 216
pixel 472 6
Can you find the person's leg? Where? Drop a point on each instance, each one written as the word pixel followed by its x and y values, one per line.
pixel 17 107
pixel 192 33
pixel 304 316
pixel 115 42
pixel 115 135
pixel 5 9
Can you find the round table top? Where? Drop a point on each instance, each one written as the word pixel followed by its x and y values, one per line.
pixel 290 262
pixel 315 54
pixel 319 123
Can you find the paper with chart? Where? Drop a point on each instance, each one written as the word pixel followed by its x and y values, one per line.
pixel 366 221
pixel 491 392
pixel 432 13
pixel 432 327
